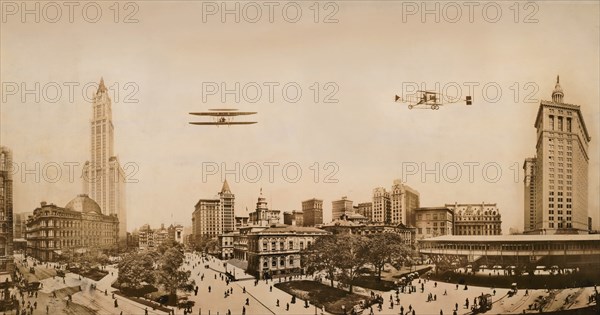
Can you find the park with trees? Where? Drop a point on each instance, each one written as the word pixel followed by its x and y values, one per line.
pixel 156 274
pixel 349 260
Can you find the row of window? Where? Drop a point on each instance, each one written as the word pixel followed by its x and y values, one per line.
pixel 559 206
pixel 560 225
pixel 560 164
pixel 560 219
pixel 282 245
pixel 559 212
pixel 568 188
pixel 559 127
pixel 281 262
pixel 569 153
pixel 560 158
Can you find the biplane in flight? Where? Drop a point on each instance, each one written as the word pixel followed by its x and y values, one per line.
pixel 429 100
pixel 222 116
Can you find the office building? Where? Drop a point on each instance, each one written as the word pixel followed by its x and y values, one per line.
pixel 313 212
pixel 560 169
pixel 104 178
pixel 6 210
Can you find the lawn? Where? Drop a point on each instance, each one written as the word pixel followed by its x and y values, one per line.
pixel 373 283
pixel 93 273
pixel 153 305
pixel 320 294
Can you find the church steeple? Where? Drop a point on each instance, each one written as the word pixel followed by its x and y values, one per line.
pixel 557 94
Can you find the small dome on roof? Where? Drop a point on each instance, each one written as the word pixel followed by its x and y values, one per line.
pixel 83 203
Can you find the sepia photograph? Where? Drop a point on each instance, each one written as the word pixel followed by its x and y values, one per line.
pixel 350 157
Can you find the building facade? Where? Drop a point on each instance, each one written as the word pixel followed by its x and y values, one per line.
pixel 226 245
pixel 403 201
pixel 407 234
pixel 561 168
pixel 341 207
pixel 241 221
pixel 20 226
pixel 313 212
pixel 6 210
pixel 104 178
pixel 240 241
pixel 263 216
pixel 433 221
pixel 149 238
pixel 381 205
pixel 293 218
pixel 529 217
pixel 176 233
pixel 275 251
pixel 365 209
pixel 212 217
pixel 79 227
pixel 517 251
pixel 227 204
pixel 476 219
pixel 146 237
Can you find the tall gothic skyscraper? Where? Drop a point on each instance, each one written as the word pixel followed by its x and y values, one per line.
pixel 6 211
pixel 105 178
pixel 557 182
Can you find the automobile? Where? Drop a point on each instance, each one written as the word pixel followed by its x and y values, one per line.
pixel 163 299
pixel 485 304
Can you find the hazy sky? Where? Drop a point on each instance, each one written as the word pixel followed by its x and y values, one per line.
pixel 374 51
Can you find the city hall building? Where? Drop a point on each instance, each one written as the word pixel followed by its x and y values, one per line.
pixel 275 251
pixel 53 231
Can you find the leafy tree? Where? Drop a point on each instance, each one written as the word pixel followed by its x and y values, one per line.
pixel 164 246
pixel 206 244
pixel 383 248
pixel 321 256
pixel 169 273
pixel 134 269
pixel 351 256
pixel 342 254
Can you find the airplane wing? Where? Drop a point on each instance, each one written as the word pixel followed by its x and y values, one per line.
pixel 222 114
pixel 223 123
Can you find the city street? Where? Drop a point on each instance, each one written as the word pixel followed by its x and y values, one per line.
pixel 263 300
pixel 262 297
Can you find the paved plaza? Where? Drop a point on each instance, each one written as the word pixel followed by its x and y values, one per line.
pixel 261 297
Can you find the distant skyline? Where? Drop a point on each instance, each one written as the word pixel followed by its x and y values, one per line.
pixel 369 56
